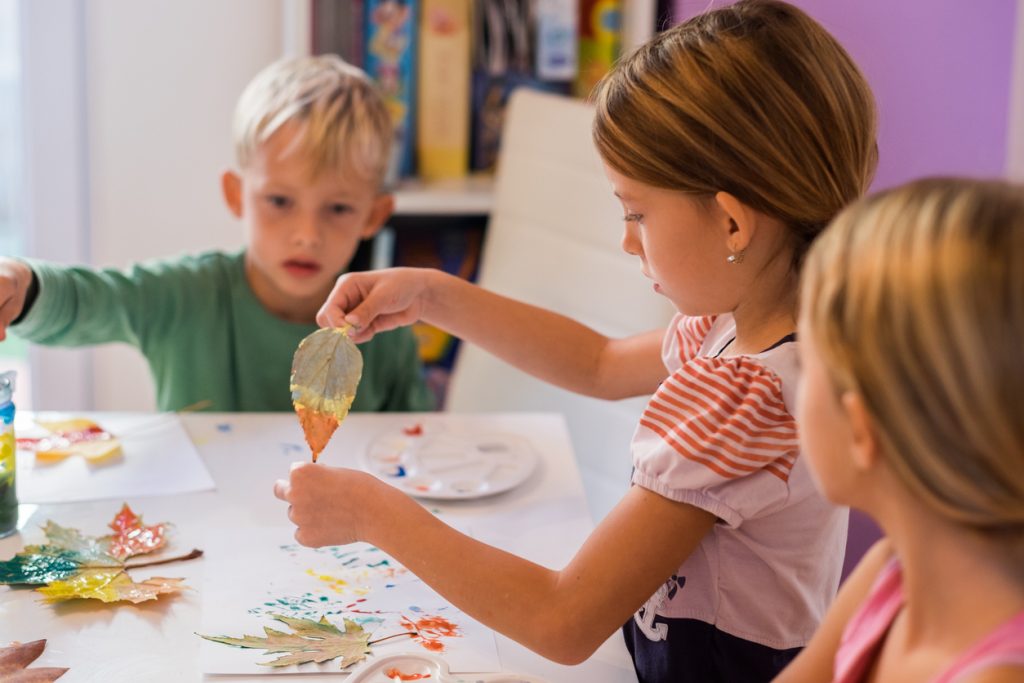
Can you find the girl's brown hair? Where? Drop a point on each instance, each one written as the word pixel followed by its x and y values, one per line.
pixel 915 298
pixel 755 99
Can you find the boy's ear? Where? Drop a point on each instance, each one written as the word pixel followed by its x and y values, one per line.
pixel 865 447
pixel 383 207
pixel 740 221
pixel 231 188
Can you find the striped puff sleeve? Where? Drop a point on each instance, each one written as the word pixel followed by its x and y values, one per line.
pixel 717 435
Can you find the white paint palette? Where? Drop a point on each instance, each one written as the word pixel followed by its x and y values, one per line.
pixel 424 667
pixel 433 462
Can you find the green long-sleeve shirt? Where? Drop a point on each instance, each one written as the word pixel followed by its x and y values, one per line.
pixel 205 334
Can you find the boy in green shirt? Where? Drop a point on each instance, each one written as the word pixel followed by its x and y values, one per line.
pixel 312 142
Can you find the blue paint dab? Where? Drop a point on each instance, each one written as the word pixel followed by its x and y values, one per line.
pixel 224 427
pixel 382 563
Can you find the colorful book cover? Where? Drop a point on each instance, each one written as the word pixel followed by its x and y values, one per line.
pixel 444 76
pixel 600 42
pixel 390 61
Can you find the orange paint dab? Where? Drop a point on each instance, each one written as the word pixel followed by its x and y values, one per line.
pixel 396 675
pixel 415 430
pixel 318 428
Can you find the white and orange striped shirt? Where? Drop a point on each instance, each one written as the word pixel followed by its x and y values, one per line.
pixel 719 434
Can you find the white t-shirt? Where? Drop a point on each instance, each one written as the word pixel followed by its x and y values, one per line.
pixel 719 434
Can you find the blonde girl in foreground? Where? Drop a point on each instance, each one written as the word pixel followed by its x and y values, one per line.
pixel 912 409
pixel 731 141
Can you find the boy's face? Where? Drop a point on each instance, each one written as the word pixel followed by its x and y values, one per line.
pixel 302 231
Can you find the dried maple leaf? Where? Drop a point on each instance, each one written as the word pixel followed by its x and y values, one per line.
pixel 326 370
pixel 71 565
pixel 14 661
pixel 312 641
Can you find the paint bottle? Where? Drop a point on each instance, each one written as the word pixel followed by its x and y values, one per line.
pixel 8 449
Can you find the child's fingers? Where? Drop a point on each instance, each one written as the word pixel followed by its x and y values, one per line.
pixel 282 490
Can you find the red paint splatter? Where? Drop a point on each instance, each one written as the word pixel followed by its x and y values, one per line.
pixel 64 438
pixel 430 630
pixel 396 675
pixel 415 430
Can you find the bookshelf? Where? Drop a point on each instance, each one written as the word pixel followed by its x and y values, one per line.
pixel 469 196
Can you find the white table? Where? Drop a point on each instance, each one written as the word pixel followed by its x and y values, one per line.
pixel 545 520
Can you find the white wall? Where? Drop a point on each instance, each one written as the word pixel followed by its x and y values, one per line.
pixel 161 80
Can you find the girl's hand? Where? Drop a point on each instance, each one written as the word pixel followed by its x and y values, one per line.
pixel 376 301
pixel 330 505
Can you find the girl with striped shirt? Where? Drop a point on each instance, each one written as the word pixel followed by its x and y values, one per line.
pixel 730 140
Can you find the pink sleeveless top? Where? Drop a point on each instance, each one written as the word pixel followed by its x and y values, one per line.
pixel 866 631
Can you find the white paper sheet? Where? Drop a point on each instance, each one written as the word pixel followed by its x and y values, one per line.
pixel 252 573
pixel 158 459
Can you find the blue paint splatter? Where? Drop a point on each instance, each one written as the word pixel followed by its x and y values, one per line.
pixel 312 606
pixel 399 472
pixel 290 448
pixel 224 427
pixel 382 563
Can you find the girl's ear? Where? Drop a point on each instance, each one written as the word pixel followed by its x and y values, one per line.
pixel 383 207
pixel 865 447
pixel 740 221
pixel 231 188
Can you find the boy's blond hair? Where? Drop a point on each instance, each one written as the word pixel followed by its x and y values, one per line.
pixel 915 298
pixel 755 99
pixel 345 123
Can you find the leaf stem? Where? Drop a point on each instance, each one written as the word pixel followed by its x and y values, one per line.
pixel 189 556
pixel 393 635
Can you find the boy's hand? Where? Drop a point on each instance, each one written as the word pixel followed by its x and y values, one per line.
pixel 15 278
pixel 330 505
pixel 375 301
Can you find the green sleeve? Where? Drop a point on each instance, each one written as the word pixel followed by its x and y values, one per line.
pixel 79 306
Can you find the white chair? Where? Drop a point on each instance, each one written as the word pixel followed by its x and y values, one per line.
pixel 553 240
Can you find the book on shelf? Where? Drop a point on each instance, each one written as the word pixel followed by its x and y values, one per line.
pixel 338 28
pixel 443 77
pixel 389 58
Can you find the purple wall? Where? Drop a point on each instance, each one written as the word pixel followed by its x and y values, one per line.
pixel 940 71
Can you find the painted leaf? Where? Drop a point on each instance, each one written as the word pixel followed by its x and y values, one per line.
pixel 70 565
pixel 14 661
pixel 77 436
pixel 310 641
pixel 110 585
pixel 326 370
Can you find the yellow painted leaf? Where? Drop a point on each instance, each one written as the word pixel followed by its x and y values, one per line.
pixel 109 586
pixel 326 370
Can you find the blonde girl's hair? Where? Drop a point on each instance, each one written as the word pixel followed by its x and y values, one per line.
pixel 915 298
pixel 755 99
pixel 344 122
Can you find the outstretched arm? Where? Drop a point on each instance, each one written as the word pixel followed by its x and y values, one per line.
pixel 545 344
pixel 563 615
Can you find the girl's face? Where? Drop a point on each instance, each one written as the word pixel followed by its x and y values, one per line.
pixel 825 433
pixel 680 241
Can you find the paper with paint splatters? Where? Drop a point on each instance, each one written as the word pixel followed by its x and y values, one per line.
pixel 253 574
pixel 326 370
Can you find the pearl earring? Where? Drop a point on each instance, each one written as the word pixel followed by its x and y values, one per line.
pixel 735 258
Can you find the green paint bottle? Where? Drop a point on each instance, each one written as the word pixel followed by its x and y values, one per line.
pixel 8 449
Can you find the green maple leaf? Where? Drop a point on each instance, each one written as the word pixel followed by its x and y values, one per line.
pixel 71 565
pixel 311 641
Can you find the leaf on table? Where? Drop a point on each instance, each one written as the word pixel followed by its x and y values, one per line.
pixel 326 370
pixel 77 436
pixel 14 661
pixel 71 565
pixel 310 641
